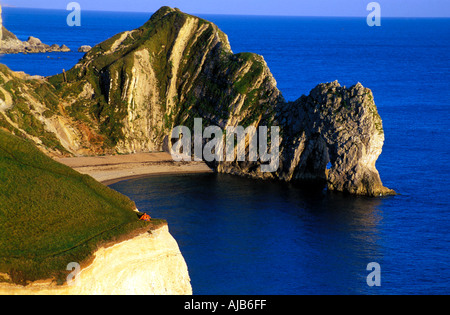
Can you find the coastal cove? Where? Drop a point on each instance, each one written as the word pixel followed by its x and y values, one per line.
pixel 234 235
pixel 244 236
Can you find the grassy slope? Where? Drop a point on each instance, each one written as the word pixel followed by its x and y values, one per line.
pixel 51 215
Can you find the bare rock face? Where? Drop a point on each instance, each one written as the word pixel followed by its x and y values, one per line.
pixel 84 48
pixel 33 41
pixel 332 137
pixel 334 126
pixel 64 48
pixel 127 93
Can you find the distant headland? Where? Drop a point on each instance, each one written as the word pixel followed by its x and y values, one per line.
pixel 10 44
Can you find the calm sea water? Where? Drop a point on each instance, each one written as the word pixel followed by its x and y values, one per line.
pixel 251 237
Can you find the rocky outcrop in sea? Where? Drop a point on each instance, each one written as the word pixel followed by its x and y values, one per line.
pixel 10 44
pixel 332 136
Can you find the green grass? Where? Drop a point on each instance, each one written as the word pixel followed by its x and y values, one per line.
pixel 50 215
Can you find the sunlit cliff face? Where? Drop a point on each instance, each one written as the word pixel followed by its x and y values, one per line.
pixel 150 264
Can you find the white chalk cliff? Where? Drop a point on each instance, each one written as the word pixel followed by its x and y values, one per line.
pixel 149 264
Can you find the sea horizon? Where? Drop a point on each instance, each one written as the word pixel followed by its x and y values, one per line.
pixel 362 16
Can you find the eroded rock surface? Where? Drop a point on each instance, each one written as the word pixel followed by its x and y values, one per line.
pixel 84 48
pixel 335 125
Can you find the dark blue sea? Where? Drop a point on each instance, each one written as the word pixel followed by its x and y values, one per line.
pixel 240 236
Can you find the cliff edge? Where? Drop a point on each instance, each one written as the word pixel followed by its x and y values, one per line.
pixel 149 264
pixel 51 216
